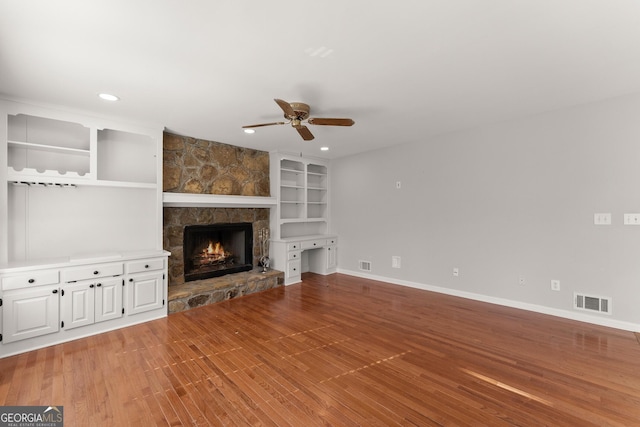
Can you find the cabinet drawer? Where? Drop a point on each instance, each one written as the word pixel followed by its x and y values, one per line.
pixel 311 244
pixel 293 268
pixel 293 246
pixel 145 265
pixel 293 255
pixel 35 278
pixel 91 271
pixel 332 241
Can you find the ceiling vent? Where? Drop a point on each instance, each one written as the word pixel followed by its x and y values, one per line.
pixel 592 303
pixel 364 265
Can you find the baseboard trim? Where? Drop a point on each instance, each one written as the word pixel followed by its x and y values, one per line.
pixel 581 317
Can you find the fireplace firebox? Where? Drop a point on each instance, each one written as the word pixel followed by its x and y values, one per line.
pixel 217 249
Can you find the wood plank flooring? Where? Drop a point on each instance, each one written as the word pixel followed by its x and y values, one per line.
pixel 341 351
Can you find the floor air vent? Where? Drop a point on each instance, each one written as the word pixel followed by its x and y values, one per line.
pixel 592 303
pixel 365 265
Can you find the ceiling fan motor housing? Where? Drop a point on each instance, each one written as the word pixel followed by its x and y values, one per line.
pixel 301 109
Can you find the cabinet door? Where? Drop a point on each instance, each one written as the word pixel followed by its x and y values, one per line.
pixel 77 304
pixel 145 292
pixel 30 313
pixel 332 257
pixel 109 299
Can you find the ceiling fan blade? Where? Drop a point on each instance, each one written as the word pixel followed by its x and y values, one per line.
pixel 263 124
pixel 286 107
pixel 330 122
pixel 304 132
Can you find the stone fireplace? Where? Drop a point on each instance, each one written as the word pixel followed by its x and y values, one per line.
pixel 202 167
pixel 176 219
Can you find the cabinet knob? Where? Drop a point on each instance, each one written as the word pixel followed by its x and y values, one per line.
pixel 55 291
pixel 131 280
pixel 146 266
pixel 95 272
pixel 91 285
pixel 32 280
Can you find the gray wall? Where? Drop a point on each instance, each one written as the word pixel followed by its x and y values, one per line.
pixel 506 201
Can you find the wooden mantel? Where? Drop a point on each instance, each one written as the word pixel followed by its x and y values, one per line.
pixel 182 200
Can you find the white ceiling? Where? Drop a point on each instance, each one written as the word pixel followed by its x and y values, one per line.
pixel 403 70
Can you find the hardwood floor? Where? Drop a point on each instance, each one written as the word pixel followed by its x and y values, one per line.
pixel 342 351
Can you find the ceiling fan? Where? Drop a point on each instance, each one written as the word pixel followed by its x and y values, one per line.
pixel 296 113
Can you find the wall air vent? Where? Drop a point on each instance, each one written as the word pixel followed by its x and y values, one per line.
pixel 592 303
pixel 364 265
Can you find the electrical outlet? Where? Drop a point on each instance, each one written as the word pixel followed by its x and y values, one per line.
pixel 555 285
pixel 398 184
pixel 521 281
pixel 395 262
pixel 456 272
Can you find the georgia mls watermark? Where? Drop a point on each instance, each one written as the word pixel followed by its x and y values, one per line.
pixel 31 416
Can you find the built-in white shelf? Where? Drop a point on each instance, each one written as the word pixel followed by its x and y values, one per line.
pixel 182 200
pixel 296 171
pixel 50 148
pixel 53 178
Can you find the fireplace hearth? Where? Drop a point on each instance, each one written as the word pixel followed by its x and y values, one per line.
pixel 215 250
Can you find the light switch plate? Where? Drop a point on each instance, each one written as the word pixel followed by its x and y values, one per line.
pixel 396 262
pixel 602 219
pixel 632 219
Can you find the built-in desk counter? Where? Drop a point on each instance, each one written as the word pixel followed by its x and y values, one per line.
pixel 316 254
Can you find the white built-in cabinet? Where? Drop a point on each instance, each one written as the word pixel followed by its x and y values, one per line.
pixel 80 218
pixel 300 221
pixel 55 303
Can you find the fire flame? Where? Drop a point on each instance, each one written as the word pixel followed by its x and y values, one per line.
pixel 212 249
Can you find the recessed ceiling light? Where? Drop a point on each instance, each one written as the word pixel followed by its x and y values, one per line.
pixel 108 97
pixel 249 131
pixel 324 148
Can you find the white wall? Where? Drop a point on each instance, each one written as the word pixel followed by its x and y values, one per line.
pixel 52 222
pixel 510 200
